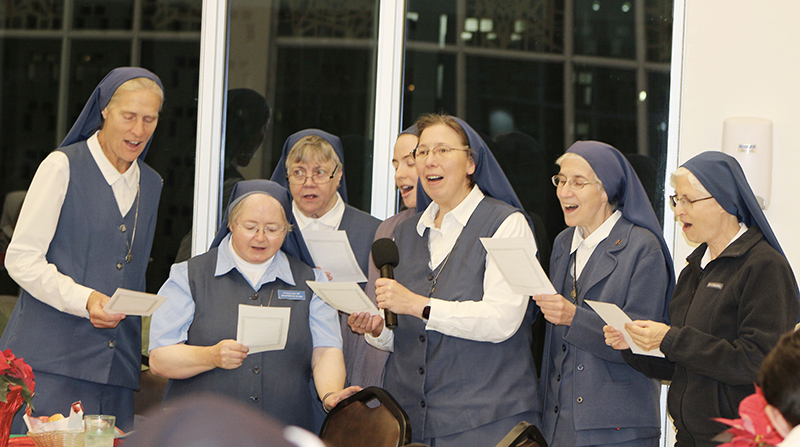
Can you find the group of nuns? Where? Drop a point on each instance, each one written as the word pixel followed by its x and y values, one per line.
pixel 459 361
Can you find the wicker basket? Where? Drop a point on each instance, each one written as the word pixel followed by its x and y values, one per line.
pixel 62 438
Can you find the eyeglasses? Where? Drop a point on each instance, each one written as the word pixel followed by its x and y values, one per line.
pixel 576 184
pixel 421 152
pixel 685 202
pixel 319 176
pixel 269 230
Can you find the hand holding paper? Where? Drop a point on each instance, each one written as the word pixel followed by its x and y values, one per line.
pixel 616 318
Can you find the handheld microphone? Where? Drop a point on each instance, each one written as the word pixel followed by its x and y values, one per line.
pixel 386 258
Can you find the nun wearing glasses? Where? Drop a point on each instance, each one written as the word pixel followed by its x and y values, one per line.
pixel 614 252
pixel 312 168
pixel 460 363
pixel 257 260
pixel 732 302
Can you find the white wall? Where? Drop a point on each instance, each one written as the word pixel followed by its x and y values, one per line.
pixel 741 59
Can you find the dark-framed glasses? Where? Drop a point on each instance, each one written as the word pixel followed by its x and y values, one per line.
pixel 441 151
pixel 269 230
pixel 685 202
pixel 576 183
pixel 318 176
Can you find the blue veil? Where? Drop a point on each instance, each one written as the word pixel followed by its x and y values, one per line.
pixel 489 176
pixel 279 174
pixel 293 244
pixel 725 180
pixel 624 188
pixel 91 118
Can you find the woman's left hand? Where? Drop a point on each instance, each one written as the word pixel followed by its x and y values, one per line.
pixel 647 334
pixel 393 296
pixel 556 308
pixel 333 399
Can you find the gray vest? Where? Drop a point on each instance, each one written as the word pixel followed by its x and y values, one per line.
pixel 446 384
pixel 276 382
pixel 89 246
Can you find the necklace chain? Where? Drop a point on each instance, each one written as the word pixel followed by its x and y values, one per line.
pixel 129 257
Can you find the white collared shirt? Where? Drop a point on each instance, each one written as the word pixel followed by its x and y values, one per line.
pixel 38 219
pixel 585 246
pixel 329 221
pixel 499 314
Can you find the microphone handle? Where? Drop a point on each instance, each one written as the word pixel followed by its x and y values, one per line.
pixel 387 271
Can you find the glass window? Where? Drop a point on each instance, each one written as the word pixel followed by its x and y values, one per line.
pixel 314 64
pixel 605 28
pixel 533 93
pixel 43 94
pixel 103 15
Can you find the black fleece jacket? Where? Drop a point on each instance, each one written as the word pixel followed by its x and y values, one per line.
pixel 724 320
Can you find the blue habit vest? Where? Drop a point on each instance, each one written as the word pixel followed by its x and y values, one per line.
pixel 449 385
pixel 90 245
pixel 276 382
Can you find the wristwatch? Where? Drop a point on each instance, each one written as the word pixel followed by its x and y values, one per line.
pixel 426 312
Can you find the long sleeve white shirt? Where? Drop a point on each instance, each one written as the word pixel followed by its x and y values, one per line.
pixel 499 314
pixel 25 259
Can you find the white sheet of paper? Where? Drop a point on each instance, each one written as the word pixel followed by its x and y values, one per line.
pixel 517 261
pixel 263 328
pixel 331 252
pixel 131 302
pixel 616 318
pixel 344 296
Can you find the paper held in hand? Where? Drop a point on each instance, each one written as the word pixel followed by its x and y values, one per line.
pixel 131 302
pixel 332 253
pixel 346 297
pixel 516 259
pixel 616 318
pixel 263 328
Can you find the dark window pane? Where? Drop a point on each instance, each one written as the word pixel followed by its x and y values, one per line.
pixel 91 60
pixel 174 15
pixel 527 25
pixel 430 84
pixel 657 134
pixel 32 15
pixel 605 28
pixel 658 28
pixel 172 153
pixel 353 19
pixel 103 15
pixel 605 106
pixel 29 108
pixel 429 21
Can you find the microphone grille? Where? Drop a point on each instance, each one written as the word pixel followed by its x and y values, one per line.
pixel 384 251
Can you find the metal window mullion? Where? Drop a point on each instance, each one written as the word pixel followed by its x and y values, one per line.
pixel 569 73
pixel 641 77
pixel 210 108
pixel 388 103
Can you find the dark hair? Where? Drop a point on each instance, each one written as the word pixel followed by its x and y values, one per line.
pixel 780 377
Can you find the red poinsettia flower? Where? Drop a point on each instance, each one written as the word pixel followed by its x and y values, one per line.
pixel 15 372
pixel 753 428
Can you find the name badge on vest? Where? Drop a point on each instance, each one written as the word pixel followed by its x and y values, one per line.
pixel 714 285
pixel 294 295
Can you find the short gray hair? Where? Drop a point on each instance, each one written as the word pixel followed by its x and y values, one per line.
pixel 683 172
